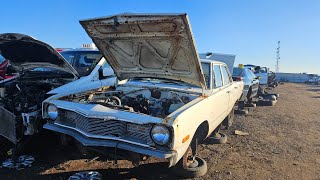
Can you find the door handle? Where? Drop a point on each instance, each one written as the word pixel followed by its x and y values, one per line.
pixel 228 91
pixel 236 87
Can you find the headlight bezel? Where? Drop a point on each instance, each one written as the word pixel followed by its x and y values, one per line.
pixel 169 135
pixel 54 114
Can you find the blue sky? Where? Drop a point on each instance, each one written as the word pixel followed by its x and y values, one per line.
pixel 250 29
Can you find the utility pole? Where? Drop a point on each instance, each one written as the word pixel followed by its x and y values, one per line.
pixel 278 57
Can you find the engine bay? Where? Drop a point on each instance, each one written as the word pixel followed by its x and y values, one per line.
pixel 23 98
pixel 150 101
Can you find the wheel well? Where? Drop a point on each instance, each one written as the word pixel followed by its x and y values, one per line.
pixel 202 131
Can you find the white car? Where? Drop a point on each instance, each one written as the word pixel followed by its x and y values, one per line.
pixel 171 101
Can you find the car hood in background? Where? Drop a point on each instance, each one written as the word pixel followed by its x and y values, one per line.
pixel 143 45
pixel 23 50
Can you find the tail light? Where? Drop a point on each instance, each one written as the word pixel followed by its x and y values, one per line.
pixel 237 78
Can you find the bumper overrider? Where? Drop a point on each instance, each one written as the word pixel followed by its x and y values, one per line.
pixel 99 132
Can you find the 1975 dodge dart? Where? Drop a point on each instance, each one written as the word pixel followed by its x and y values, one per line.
pixel 168 101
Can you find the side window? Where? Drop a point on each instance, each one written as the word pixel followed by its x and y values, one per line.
pixel 226 75
pixel 217 76
pixel 206 73
pixel 252 75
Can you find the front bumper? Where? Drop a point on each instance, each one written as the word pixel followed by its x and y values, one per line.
pixel 96 142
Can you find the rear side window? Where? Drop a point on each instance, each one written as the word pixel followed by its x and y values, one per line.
pixel 206 73
pixel 226 75
pixel 217 76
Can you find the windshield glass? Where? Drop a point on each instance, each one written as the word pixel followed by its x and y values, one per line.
pixel 160 81
pixel 82 60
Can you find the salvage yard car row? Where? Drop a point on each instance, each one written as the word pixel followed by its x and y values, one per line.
pixel 149 94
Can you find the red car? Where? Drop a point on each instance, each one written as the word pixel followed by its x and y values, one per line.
pixel 3 69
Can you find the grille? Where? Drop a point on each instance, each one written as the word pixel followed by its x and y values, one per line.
pixel 102 127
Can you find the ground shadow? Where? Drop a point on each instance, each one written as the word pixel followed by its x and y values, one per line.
pixel 145 171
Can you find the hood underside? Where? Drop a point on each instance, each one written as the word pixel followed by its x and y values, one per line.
pixel 150 46
pixel 23 50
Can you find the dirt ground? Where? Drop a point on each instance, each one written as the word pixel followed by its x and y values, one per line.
pixel 283 143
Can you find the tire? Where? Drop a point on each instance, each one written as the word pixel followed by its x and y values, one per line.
pixel 228 121
pixel 267 102
pixel 270 103
pixel 218 138
pixel 252 105
pixel 191 172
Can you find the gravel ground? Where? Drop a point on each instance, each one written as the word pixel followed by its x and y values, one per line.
pixel 283 143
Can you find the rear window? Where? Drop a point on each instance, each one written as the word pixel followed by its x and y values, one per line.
pixel 237 72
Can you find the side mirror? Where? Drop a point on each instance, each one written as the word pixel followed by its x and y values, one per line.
pixel 107 71
pixel 258 77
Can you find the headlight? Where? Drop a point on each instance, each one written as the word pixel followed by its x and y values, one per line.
pixel 52 111
pixel 160 134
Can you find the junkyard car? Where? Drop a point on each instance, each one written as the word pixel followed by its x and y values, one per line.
pixel 251 84
pixel 262 72
pixel 169 102
pixel 82 59
pixel 40 69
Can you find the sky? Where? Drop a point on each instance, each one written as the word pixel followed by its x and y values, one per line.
pixel 250 29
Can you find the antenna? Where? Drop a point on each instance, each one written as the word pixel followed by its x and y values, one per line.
pixel 278 57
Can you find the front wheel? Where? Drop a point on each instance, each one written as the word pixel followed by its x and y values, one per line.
pixel 190 166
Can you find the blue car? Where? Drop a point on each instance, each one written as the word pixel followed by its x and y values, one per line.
pixel 251 84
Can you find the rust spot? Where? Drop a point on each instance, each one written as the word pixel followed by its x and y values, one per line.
pixel 204 96
pixel 166 120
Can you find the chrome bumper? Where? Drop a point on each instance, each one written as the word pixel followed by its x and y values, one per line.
pixel 96 142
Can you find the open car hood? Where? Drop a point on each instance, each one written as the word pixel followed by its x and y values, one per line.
pixel 23 50
pixel 147 45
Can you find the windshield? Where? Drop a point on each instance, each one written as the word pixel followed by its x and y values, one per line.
pixel 82 60
pixel 160 81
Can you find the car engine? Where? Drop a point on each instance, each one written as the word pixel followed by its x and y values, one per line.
pixel 151 101
pixel 24 98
